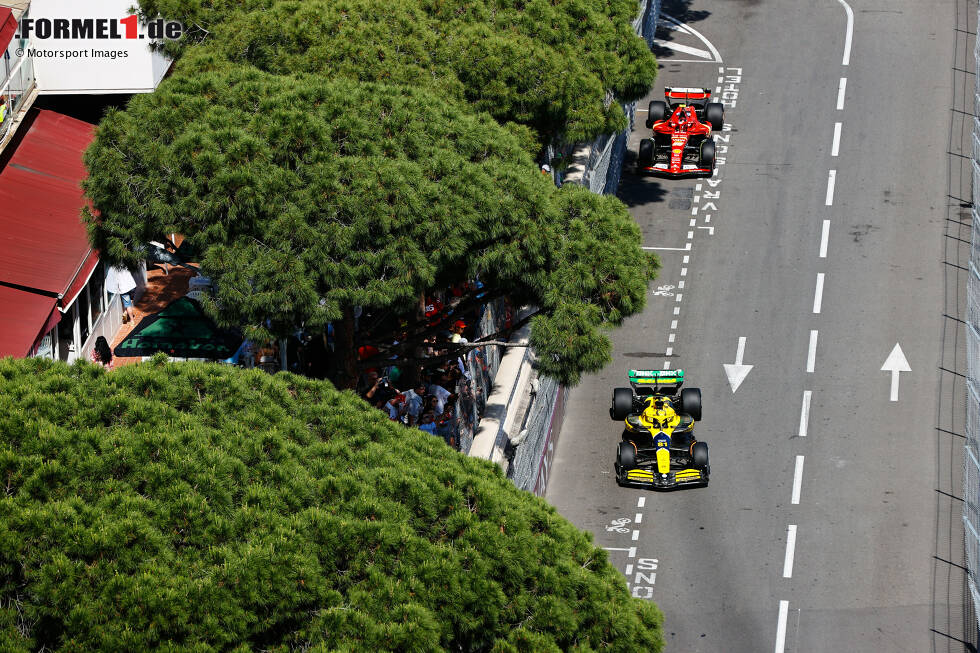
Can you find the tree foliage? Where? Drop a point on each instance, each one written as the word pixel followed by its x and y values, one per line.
pixel 307 197
pixel 546 66
pixel 204 507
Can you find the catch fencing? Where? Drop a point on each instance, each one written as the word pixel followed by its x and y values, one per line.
pixel 971 457
pixel 607 152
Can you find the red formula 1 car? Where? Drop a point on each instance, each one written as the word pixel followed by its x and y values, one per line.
pixel 681 143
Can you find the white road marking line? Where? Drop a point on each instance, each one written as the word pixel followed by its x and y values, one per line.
pixel 686 49
pixel 824 237
pixel 694 211
pixel 632 553
pixel 612 548
pixel 811 353
pixel 849 35
pixel 840 93
pixel 669 352
pixel 694 221
pixel 636 535
pixel 638 518
pixel 680 284
pixel 687 260
pixel 684 27
pixel 805 412
pixel 671 337
pixel 680 296
pixel 835 147
pixel 640 502
pixel 697 187
pixel 697 198
pixel 677 310
pixel 686 248
pixel 690 235
pixel 790 551
pixel 683 272
pixel 667 365
pixel 673 325
pixel 818 293
pixel 629 571
pixel 707 218
pixel 781 626
pixel 831 178
pixel 797 481
pixel 721 69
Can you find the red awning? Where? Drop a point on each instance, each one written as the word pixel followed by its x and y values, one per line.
pixel 44 248
pixel 8 27
pixel 23 317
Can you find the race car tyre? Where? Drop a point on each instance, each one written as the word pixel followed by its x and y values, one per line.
pixel 656 112
pixel 645 156
pixel 691 403
pixel 708 153
pixel 626 456
pixel 699 455
pixel 714 115
pixel 622 403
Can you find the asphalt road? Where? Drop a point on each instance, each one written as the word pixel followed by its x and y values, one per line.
pixel 823 246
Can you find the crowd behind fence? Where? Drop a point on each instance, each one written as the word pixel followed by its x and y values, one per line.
pixel 971 456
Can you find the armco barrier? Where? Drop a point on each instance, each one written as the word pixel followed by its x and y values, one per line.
pixel 971 455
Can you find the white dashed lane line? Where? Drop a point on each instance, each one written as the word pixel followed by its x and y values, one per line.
pixel 636 535
pixel 797 481
pixel 811 353
pixel 835 146
pixel 781 626
pixel 831 178
pixel 805 413
pixel 639 518
pixel 641 501
pixel 790 551
pixel 840 93
pixel 818 293
pixel 824 237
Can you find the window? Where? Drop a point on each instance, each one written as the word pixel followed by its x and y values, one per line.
pixel 96 292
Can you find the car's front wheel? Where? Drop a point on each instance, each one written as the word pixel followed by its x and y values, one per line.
pixel 645 156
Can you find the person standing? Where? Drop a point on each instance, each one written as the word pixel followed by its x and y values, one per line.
pixel 120 282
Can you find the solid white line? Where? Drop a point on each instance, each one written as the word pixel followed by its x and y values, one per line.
pixel 797 481
pixel 835 148
pixel 686 248
pixel 811 352
pixel 636 535
pixel 639 518
pixel 673 325
pixel 612 548
pixel 824 237
pixel 840 93
pixel 850 33
pixel 831 178
pixel 790 551
pixel 805 412
pixel 781 626
pixel 818 293
pixel 641 502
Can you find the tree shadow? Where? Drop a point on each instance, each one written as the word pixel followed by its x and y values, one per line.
pixel 679 10
pixel 637 190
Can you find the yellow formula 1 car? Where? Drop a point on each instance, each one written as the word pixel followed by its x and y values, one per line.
pixel 659 449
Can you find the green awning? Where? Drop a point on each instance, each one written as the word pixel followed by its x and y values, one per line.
pixel 181 330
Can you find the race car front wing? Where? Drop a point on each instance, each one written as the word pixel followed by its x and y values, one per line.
pixel 650 477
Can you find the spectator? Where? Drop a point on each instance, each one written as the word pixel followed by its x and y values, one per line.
pixel 440 394
pixel 428 423
pixel 396 407
pixel 101 353
pixel 379 389
pixel 414 400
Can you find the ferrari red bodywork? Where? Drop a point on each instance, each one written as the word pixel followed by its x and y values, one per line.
pixel 681 143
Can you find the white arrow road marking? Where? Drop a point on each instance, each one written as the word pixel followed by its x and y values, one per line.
pixel 736 373
pixel 672 23
pixel 895 363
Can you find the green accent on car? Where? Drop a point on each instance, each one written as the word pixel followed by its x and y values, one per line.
pixel 662 375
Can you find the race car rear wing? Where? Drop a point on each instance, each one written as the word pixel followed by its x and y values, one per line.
pixel 676 94
pixel 656 381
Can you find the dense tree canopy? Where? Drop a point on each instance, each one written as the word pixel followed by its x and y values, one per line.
pixel 207 507
pixel 546 66
pixel 306 197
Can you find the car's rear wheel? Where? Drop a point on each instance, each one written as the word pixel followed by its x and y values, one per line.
pixel 707 156
pixel 622 403
pixel 691 403
pixel 656 112
pixel 699 455
pixel 644 158
pixel 714 115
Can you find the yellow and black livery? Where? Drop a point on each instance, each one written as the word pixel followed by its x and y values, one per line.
pixel 659 449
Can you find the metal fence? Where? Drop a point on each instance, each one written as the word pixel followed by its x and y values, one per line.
pixel 606 154
pixel 971 457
